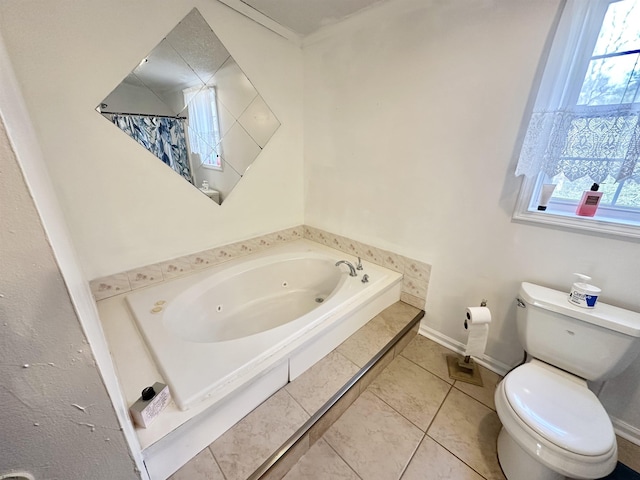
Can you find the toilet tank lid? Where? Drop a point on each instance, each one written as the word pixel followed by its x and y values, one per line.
pixel 603 315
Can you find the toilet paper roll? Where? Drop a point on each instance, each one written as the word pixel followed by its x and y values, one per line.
pixel 478 315
pixel 478 319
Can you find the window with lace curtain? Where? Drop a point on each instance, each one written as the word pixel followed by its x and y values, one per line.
pixel 585 125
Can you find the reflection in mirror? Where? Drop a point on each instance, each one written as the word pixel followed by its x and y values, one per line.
pixel 189 103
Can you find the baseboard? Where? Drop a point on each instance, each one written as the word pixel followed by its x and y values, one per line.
pixel 458 347
pixel 623 429
pixel 626 431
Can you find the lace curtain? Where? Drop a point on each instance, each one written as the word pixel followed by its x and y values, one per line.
pixel 162 136
pixel 204 129
pixel 581 143
pixel 565 136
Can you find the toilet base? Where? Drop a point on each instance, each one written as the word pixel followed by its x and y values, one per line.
pixel 517 464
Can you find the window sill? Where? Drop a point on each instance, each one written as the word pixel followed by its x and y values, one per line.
pixel 211 167
pixel 600 224
pixel 575 222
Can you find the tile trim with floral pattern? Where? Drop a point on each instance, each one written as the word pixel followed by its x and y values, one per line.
pixel 415 283
pixel 118 283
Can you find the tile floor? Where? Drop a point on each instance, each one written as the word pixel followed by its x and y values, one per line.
pixel 412 422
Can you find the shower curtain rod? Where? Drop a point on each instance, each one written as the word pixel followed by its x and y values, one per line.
pixel 142 115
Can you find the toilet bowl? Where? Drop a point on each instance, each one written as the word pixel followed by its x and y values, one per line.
pixel 553 426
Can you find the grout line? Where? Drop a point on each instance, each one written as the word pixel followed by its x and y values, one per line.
pixel 340 456
pixel 427 370
pixel 438 411
pixel 413 454
pixel 470 467
pixel 393 408
pixel 434 417
pixel 217 463
pixel 475 399
pixel 296 401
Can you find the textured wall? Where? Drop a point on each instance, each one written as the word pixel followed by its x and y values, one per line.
pixel 57 420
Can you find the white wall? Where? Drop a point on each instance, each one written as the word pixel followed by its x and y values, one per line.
pixel 123 207
pixel 412 117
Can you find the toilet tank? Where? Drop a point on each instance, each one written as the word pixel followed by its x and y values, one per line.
pixel 594 344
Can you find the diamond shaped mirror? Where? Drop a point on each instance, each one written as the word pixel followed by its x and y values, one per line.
pixel 189 103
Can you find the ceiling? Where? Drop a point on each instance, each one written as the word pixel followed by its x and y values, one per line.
pixel 306 16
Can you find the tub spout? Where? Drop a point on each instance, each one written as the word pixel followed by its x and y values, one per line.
pixel 352 269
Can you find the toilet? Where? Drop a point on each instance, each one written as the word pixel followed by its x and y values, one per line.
pixel 553 426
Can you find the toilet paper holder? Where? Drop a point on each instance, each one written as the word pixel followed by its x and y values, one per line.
pixel 464 368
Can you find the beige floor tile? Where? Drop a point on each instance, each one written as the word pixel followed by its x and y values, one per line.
pixel 485 393
pixel 399 315
pixel 363 345
pixel 375 440
pixel 434 462
pixel 411 391
pixel 248 443
pixel 321 462
pixel 201 467
pixel 318 384
pixel 629 453
pixel 469 430
pixel 429 355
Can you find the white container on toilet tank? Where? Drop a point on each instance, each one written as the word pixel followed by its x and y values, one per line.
pixel 582 294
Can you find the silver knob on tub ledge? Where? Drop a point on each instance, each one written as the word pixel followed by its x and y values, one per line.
pixel 352 269
pixel 365 278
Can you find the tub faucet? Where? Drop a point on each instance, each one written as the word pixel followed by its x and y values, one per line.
pixel 352 269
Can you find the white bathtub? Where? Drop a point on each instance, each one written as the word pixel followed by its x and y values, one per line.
pixel 214 331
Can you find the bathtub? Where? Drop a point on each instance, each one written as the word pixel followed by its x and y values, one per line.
pixel 216 330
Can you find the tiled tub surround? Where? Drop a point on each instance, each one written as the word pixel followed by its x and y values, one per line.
pixel 176 436
pixel 415 273
pixel 270 440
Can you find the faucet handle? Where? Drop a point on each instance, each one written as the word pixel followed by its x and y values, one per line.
pixel 359 265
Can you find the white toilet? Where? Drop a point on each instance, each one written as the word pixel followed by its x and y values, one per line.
pixel 553 426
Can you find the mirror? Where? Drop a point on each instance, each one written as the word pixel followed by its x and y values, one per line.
pixel 189 103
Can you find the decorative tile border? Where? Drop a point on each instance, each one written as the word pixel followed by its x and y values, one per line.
pixel 414 284
pixel 112 285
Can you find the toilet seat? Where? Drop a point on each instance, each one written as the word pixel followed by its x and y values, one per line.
pixel 559 456
pixel 571 417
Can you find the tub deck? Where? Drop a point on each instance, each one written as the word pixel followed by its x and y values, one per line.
pixel 297 415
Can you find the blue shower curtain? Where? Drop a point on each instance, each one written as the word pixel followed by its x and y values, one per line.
pixel 162 136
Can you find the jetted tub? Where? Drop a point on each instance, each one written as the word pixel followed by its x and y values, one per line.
pixel 214 331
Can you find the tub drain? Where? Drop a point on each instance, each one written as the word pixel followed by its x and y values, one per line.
pixel 319 299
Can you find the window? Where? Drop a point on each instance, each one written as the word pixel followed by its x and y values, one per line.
pixel 204 126
pixel 585 127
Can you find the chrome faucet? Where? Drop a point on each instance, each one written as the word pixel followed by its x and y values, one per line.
pixel 352 269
